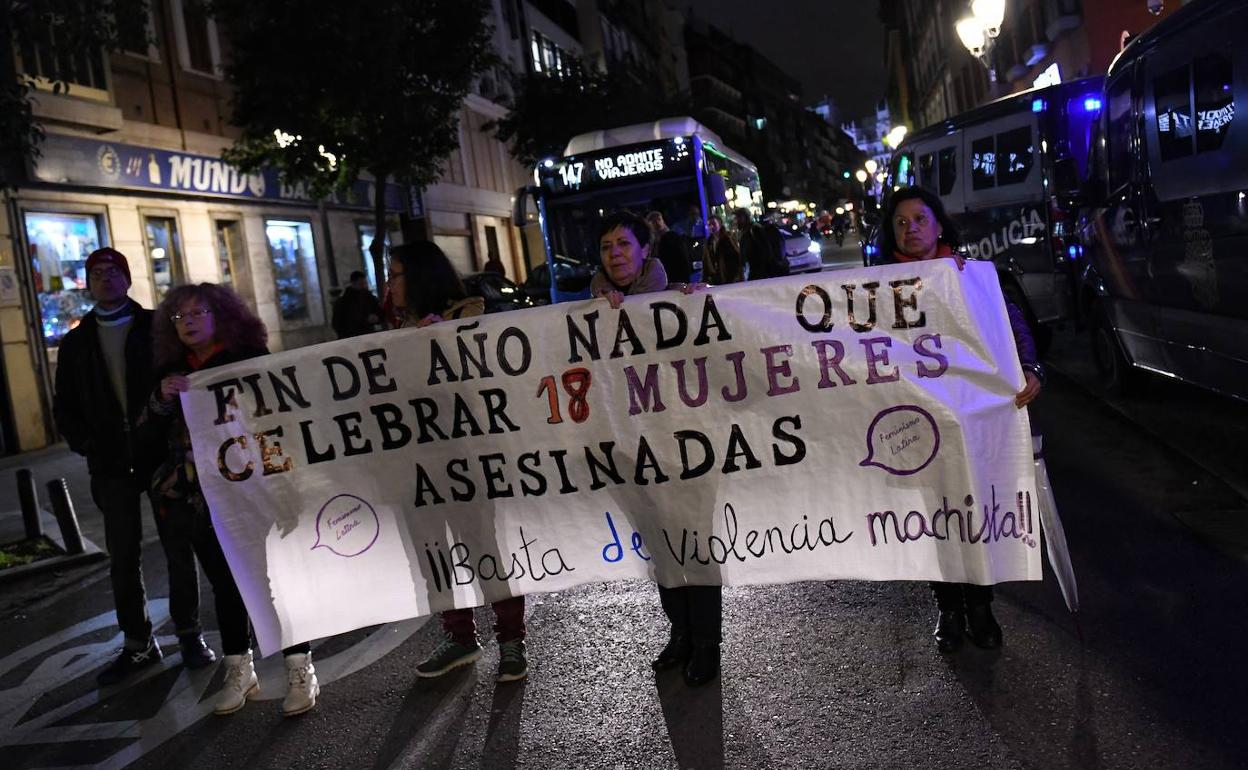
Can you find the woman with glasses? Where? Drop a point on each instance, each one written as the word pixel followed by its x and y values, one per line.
pixel 201 327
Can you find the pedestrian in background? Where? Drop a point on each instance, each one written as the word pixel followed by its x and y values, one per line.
pixel 357 311
pixel 916 228
pixel 695 612
pixel 103 379
pixel 671 249
pixel 721 259
pixel 425 289
pixel 201 327
pixel 761 247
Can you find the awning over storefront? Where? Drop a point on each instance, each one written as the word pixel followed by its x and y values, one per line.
pixel 85 162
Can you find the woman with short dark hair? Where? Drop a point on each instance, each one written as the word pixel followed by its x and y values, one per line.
pixel 200 327
pixel 695 612
pixel 915 227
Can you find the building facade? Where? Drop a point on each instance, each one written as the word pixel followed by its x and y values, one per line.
pixel 931 76
pixel 132 160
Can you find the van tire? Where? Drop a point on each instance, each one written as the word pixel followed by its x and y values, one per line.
pixel 1116 374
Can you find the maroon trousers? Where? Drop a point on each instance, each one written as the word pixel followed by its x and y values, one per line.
pixel 508 622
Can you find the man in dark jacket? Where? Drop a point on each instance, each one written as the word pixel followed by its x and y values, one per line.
pixel 761 247
pixel 671 249
pixel 357 311
pixel 103 379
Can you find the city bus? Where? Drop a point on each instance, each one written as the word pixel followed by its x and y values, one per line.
pixel 675 166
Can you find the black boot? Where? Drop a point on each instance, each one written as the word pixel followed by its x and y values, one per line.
pixel 676 653
pixel 982 627
pixel 195 651
pixel 703 664
pixel 948 633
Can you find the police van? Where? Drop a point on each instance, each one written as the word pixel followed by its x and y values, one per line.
pixel 1165 239
pixel 998 170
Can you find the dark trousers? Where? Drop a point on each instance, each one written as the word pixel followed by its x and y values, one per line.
pixel 120 500
pixel 695 611
pixel 955 597
pixel 232 618
pixel 508 622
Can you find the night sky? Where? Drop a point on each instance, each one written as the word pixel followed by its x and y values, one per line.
pixel 834 47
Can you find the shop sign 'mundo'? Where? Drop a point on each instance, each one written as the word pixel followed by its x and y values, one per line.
pixel 95 163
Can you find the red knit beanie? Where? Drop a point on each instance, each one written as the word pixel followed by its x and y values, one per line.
pixel 109 256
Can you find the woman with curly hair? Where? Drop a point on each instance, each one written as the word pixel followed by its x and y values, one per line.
pixel 200 327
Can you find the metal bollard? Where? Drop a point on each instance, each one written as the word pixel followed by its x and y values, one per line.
pixel 29 497
pixel 63 506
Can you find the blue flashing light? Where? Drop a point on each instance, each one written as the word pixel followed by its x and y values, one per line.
pixel 1074 251
pixel 1092 104
pixel 1037 105
pixel 869 248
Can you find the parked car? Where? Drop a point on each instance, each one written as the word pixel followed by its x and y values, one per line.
pixel 572 278
pixel 802 253
pixel 996 169
pixel 499 292
pixel 1165 237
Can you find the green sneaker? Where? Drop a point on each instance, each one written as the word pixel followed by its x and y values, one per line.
pixel 449 655
pixel 512 665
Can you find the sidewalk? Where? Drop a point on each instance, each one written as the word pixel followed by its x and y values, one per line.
pixel 47 464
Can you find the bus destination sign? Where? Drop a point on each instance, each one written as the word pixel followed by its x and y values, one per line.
pixel 618 165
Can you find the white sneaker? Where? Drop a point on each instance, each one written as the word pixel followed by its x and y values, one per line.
pixel 240 684
pixel 301 685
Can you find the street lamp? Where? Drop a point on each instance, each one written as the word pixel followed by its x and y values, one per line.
pixel 861 176
pixel 871 165
pixel 978 33
pixel 991 13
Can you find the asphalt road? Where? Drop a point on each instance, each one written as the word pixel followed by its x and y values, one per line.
pixel 837 675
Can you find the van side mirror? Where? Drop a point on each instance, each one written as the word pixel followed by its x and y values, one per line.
pixel 716 190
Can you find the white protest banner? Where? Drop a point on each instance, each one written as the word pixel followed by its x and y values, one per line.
pixel 856 424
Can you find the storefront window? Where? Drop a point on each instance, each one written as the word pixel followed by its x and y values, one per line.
pixel 290 243
pixel 59 246
pixel 164 251
pixel 229 248
pixel 366 235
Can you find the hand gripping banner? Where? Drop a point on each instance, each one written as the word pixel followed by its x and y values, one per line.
pixel 857 424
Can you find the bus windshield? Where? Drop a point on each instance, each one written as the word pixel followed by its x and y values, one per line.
pixel 685 178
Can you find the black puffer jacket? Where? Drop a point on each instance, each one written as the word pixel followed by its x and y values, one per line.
pixel 86 409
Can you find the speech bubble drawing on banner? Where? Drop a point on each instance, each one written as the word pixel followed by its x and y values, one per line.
pixel 902 440
pixel 347 526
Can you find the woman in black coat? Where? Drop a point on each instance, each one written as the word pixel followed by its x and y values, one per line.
pixel 915 227
pixel 200 327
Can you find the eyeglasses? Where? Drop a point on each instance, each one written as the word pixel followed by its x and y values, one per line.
pixel 176 317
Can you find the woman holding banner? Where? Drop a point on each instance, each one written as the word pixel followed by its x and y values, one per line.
pixel 916 227
pixel 695 612
pixel 425 289
pixel 200 327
